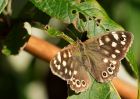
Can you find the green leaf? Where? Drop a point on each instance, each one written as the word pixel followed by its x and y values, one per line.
pixel 61 9
pixel 3 4
pixel 96 91
pixel 96 20
pixel 135 67
pixel 6 51
pixel 131 58
pixel 67 11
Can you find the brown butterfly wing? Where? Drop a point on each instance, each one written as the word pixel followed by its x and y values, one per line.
pixel 68 65
pixel 104 54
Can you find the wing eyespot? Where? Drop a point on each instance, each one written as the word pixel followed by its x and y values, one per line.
pixel 104 74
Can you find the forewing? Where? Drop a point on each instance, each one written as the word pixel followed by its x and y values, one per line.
pixel 68 65
pixel 105 52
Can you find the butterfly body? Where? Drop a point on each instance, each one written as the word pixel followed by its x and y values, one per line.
pixel 98 56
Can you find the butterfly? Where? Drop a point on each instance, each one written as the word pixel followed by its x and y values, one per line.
pixel 99 57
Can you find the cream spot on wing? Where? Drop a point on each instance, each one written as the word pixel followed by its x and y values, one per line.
pixel 122 42
pixel 64 63
pixel 66 70
pixel 113 56
pixel 124 39
pixel 115 35
pixel 59 57
pixel 107 39
pixel 58 67
pixel 105 60
pixel 54 61
pixel 123 35
pixel 114 44
pixel 100 42
pixel 70 73
pixel 75 72
pixel 64 55
pixel 106 52
pixel 117 51
pixel 69 53
pixel 113 62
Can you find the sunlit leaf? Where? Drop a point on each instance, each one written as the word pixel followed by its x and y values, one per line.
pixel 3 4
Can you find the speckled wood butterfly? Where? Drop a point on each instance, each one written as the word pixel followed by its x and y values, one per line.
pixel 99 56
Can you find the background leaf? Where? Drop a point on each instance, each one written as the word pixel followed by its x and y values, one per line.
pixel 96 20
pixel 3 4
pixel 61 9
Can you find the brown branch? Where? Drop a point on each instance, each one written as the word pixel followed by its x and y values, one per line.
pixel 126 90
pixel 40 48
pixel 46 51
